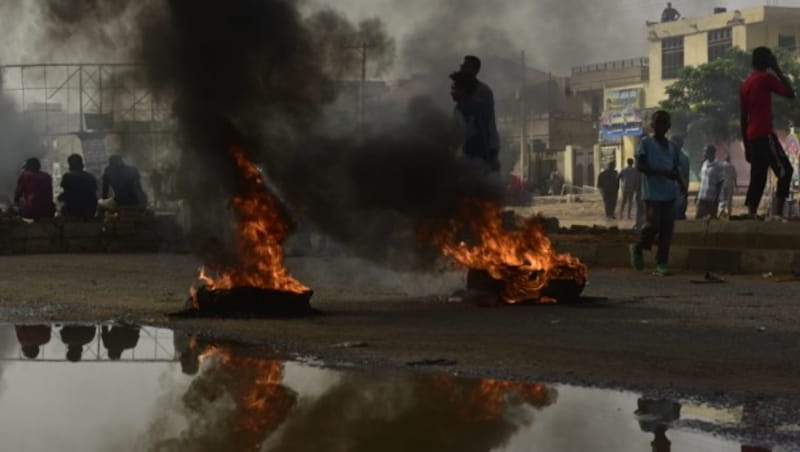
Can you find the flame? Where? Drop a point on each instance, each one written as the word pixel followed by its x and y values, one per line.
pixel 260 231
pixel 487 399
pixel 521 257
pixel 262 402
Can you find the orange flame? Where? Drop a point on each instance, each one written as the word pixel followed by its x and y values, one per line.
pixel 262 402
pixel 487 399
pixel 260 231
pixel 522 257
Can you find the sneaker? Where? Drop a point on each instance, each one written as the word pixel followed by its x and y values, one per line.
pixel 661 270
pixel 637 259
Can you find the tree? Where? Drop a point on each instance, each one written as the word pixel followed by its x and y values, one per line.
pixel 704 101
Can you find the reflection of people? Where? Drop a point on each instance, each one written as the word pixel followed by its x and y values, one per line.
pixel 31 338
pixel 656 416
pixel 119 338
pixel 670 14
pixel 75 337
pixel 483 94
pixel 762 148
pixel 658 160
pixel 34 192
pixel 80 190
pixel 608 183
pixel 125 182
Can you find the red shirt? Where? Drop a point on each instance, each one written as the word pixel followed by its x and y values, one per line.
pixel 36 190
pixel 755 99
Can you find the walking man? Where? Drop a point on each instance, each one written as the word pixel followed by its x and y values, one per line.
pixel 728 188
pixel 608 183
pixel 629 179
pixel 762 148
pixel 657 159
pixel 471 67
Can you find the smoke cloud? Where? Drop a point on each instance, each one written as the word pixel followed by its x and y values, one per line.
pixel 18 142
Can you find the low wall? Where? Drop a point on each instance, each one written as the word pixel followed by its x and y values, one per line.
pixel 145 233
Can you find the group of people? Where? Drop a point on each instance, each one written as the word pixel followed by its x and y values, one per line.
pixel 658 159
pixel 121 187
pixel 116 339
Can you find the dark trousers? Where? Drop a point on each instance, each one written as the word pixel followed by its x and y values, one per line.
pixel 707 209
pixel 659 221
pixel 627 200
pixel 765 153
pixel 610 202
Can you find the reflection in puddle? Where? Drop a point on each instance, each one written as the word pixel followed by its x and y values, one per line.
pixel 118 387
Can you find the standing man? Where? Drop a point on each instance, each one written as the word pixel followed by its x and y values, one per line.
pixel 80 190
pixel 484 95
pixel 711 180
pixel 657 159
pixel 728 188
pixel 684 168
pixel 762 148
pixel 608 183
pixel 34 193
pixel 471 113
pixel 629 180
pixel 670 14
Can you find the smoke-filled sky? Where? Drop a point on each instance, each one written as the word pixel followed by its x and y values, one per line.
pixel 556 34
pixel 574 32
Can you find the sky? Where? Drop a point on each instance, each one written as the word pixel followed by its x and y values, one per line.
pixel 556 34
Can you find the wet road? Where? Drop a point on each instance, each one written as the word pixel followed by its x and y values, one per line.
pixel 737 339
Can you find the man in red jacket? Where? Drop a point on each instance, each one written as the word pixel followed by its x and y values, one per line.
pixel 34 193
pixel 762 148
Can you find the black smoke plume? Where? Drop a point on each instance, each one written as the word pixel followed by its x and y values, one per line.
pixel 259 74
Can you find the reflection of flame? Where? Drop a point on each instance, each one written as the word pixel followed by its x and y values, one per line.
pixel 523 258
pixel 260 231
pixel 262 402
pixel 488 399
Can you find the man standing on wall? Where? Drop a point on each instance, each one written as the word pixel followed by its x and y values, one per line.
pixel 762 148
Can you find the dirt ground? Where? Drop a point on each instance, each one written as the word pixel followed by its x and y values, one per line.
pixel 738 337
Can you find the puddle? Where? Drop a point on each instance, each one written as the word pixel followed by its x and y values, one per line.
pixel 147 389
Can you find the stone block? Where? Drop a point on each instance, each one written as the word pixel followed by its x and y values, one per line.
pixel 43 246
pixel 35 231
pixel 714 260
pixel 82 230
pixel 83 245
pixel 763 261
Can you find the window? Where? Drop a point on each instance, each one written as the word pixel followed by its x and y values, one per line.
pixel 719 42
pixel 671 57
pixel 788 42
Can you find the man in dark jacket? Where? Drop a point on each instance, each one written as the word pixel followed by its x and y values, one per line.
pixel 608 183
pixel 80 190
pixel 125 182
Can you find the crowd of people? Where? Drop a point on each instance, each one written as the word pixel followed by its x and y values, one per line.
pixel 664 178
pixel 121 187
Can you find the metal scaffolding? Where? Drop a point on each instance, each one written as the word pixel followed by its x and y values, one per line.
pixel 82 98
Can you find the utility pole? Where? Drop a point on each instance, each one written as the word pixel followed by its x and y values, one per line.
pixel 362 92
pixel 524 153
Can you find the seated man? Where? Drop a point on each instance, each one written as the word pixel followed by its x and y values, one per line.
pixel 80 190
pixel 125 182
pixel 34 193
